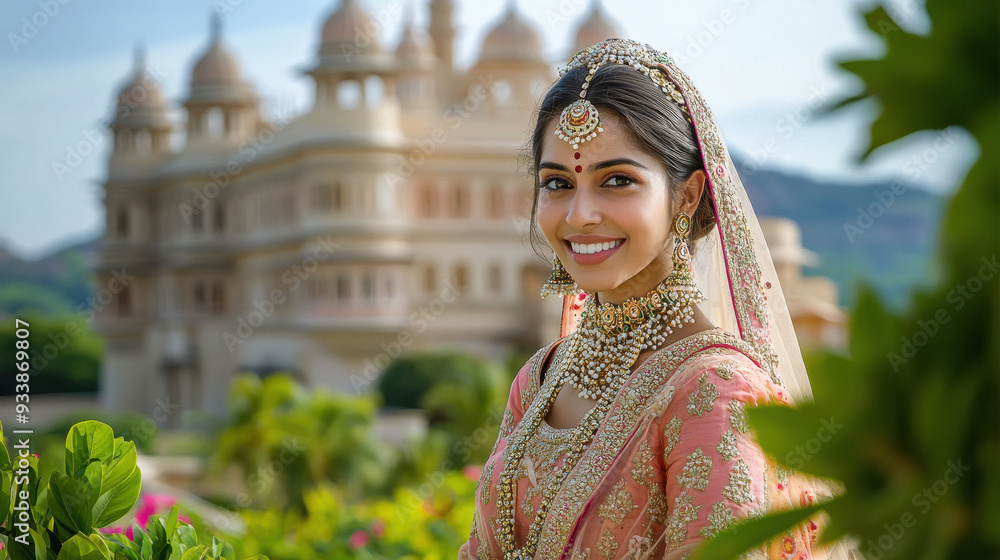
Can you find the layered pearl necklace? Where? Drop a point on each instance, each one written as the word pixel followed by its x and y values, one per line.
pixel 602 351
pixel 613 336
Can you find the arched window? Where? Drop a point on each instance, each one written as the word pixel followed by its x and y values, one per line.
pixel 218 298
pixel 343 287
pixel 430 278
pixel 460 201
pixel 215 123
pixel 496 278
pixel 121 222
pixel 349 94
pixel 374 91
pixel 219 217
pixel 461 277
pixel 199 296
pixel 367 286
pixel 125 301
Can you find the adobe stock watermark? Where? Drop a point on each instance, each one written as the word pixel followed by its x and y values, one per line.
pixel 465 447
pixel 913 168
pixel 292 278
pixel 91 138
pixel 32 25
pixel 698 43
pixel 923 501
pixel 786 127
pixel 246 152
pixel 797 457
pixel 958 296
pixel 419 320
pixel 368 36
pixel 454 117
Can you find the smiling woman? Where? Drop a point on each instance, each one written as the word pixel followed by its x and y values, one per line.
pixel 627 437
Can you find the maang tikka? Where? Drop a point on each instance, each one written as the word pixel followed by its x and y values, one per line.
pixel 580 120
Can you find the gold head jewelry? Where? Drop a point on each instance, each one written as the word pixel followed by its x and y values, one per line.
pixel 580 121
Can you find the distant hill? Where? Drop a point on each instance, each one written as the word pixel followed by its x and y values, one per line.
pixel 55 284
pixel 893 251
pixel 862 232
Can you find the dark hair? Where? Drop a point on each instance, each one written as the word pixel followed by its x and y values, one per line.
pixel 652 120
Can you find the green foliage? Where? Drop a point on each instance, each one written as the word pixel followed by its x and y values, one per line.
pixel 65 355
pixel 57 517
pixel 919 438
pixel 464 398
pixel 428 522
pixel 287 440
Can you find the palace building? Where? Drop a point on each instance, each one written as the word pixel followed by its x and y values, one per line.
pixel 390 216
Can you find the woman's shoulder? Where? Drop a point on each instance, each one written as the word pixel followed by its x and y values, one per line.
pixel 732 372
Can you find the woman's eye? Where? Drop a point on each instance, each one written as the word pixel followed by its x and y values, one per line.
pixel 554 183
pixel 619 181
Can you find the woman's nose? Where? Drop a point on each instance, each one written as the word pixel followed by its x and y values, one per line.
pixel 584 210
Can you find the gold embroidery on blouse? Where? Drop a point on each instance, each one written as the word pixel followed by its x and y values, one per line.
pixel 738 489
pixel 671 435
pixel 614 430
pixel 700 400
pixel 486 482
pixel 696 470
pixel 738 416
pixel 642 465
pixel 507 426
pixel 639 548
pixel 684 513
pixel 782 472
pixel 539 464
pixel 618 504
pixel 719 520
pixel 607 545
pixel 727 446
pixel 483 552
pixel 725 370
pixel 656 510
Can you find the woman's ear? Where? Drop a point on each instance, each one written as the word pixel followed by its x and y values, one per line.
pixel 690 194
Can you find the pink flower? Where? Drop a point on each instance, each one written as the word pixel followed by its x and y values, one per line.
pixel 378 527
pixel 358 539
pixel 152 503
pixel 472 472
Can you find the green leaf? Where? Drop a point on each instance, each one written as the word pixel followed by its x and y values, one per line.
pixel 731 543
pixel 69 503
pixel 122 463
pixel 117 500
pixel 87 442
pixel 80 547
pixel 194 553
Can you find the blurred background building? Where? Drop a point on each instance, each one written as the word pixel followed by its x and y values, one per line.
pixel 388 217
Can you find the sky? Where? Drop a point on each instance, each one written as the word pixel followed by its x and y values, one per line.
pixel 764 67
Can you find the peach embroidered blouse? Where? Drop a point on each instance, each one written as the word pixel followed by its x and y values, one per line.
pixel 672 463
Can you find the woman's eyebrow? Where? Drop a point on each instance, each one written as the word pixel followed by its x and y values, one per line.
pixel 594 166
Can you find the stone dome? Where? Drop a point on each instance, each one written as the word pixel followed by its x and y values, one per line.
pixel 350 30
pixel 141 101
pixel 415 44
pixel 513 39
pixel 594 30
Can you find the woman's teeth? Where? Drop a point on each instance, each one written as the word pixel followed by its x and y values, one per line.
pixel 590 248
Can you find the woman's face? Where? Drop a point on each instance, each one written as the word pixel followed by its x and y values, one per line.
pixel 607 212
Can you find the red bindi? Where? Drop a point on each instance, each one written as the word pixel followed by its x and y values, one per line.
pixel 579 168
pixel 576 155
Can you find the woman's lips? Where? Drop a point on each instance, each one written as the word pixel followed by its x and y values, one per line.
pixel 600 254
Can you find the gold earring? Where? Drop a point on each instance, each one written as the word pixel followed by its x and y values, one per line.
pixel 560 283
pixel 681 278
